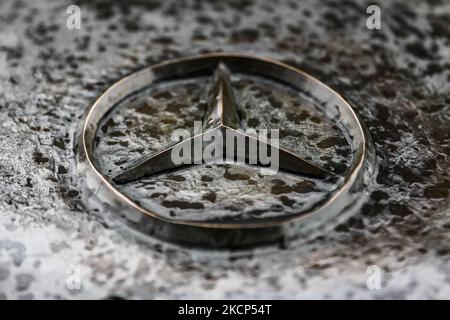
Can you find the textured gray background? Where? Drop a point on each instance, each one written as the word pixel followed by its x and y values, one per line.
pixel 397 78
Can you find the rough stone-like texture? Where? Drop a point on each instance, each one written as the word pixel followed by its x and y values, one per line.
pixel 397 78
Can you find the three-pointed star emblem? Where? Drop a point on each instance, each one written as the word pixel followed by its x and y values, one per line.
pixel 222 114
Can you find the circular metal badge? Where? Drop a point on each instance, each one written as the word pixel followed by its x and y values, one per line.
pixel 145 141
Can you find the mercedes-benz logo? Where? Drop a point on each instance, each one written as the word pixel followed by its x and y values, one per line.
pixel 222 197
pixel 221 115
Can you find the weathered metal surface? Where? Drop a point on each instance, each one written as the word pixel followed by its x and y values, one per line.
pixel 396 78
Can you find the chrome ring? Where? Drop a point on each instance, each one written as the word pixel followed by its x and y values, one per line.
pixel 333 105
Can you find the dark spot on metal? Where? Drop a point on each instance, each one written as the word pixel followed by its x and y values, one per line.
pixel 235 176
pixel 39 157
pixel 182 204
pixel 207 179
pixel 210 196
pixel 175 177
